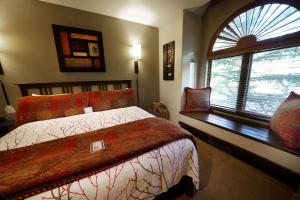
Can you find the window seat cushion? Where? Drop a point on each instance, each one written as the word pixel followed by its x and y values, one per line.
pixel 257 132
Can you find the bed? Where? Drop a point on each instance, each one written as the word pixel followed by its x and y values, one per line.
pixel 143 175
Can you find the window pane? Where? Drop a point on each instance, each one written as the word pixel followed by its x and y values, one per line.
pixel 264 22
pixel 274 74
pixel 225 75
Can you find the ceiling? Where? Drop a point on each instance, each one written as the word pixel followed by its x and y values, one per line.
pixel 150 12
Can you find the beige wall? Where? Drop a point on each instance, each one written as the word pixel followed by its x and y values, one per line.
pixel 182 30
pixel 170 93
pixel 28 53
pixel 191 46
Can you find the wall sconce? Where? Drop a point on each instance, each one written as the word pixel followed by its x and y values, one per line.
pixel 137 54
pixel 10 112
pixel 4 92
pixel 1 69
pixel 2 86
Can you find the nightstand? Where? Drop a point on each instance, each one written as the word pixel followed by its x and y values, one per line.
pixel 6 126
pixel 158 109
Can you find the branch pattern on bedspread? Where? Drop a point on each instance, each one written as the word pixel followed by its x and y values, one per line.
pixel 143 177
pixel 42 131
pixel 139 178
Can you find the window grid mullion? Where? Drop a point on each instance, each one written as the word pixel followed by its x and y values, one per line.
pixel 244 82
pixel 209 73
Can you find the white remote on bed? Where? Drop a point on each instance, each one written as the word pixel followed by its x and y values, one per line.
pixel 97 146
pixel 88 110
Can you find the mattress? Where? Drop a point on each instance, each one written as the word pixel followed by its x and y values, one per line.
pixel 142 177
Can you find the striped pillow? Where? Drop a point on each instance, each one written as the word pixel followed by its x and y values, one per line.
pixel 197 99
pixel 105 100
pixel 34 108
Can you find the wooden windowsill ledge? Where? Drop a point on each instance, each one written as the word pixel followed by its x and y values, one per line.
pixel 254 131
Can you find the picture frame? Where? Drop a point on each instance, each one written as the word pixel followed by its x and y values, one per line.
pixel 168 60
pixel 79 50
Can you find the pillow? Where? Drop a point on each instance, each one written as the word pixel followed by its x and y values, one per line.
pixel 43 115
pixel 73 111
pixel 286 121
pixel 105 100
pixel 197 99
pixel 37 95
pixel 33 108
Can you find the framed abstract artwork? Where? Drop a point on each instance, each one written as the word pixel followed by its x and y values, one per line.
pixel 79 50
pixel 168 60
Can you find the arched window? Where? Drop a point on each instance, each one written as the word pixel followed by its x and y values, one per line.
pixel 254 58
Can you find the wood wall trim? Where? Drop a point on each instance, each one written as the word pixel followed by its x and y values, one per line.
pixel 279 172
pixel 273 43
pixel 67 87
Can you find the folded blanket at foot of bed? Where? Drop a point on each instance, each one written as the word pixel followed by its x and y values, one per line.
pixel 33 169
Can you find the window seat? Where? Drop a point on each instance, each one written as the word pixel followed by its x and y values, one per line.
pixel 251 130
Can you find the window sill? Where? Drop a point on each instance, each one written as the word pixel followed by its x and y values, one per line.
pixel 251 130
pixel 245 115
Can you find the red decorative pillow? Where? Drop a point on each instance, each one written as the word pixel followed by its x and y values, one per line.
pixel 73 111
pixel 286 121
pixel 197 99
pixel 105 100
pixel 33 108
pixel 44 115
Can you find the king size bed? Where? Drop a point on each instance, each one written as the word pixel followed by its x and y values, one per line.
pixel 139 157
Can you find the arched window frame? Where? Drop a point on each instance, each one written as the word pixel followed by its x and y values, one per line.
pixel 282 41
pixel 246 51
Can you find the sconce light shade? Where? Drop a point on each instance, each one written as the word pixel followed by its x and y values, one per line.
pixel 136 51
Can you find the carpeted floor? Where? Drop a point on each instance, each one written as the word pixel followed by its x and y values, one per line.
pixel 224 177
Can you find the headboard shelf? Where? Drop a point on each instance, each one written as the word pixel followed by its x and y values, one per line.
pixel 72 87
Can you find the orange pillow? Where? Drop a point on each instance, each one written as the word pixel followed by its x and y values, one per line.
pixel 43 115
pixel 73 111
pixel 33 108
pixel 105 100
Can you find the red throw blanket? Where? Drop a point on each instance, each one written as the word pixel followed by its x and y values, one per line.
pixel 30 170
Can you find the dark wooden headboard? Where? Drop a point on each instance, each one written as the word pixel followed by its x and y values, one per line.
pixel 72 87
